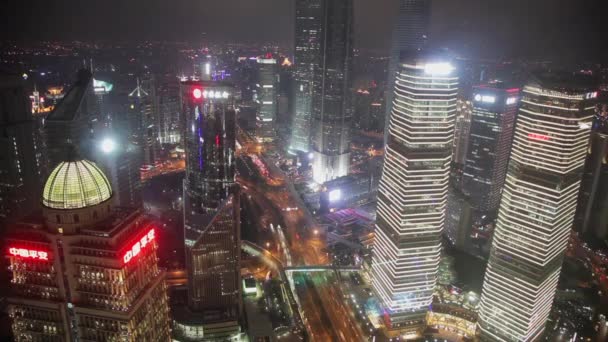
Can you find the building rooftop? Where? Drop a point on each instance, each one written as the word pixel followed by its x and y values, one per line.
pixel 565 82
pixel 76 184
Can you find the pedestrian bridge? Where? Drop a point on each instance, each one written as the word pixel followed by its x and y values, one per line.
pixel 319 268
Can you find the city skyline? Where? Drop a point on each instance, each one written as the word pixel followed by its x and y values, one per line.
pixel 303 171
pixel 491 29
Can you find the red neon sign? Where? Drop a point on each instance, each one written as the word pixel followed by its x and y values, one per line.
pixel 541 137
pixel 138 246
pixel 197 93
pixel 28 253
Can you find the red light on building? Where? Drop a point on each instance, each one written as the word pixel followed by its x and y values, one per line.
pixel 197 93
pixel 28 253
pixel 138 246
pixel 536 136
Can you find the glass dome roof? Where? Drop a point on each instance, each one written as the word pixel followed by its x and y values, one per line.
pixel 76 184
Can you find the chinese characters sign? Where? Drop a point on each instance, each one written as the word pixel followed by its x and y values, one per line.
pixel 138 246
pixel 28 253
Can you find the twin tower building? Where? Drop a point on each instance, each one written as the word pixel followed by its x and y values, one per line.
pixel 538 167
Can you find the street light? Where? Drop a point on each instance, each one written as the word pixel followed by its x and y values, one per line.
pixel 108 145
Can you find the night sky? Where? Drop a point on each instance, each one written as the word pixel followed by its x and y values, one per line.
pixel 478 28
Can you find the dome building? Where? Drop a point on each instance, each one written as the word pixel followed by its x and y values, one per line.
pixel 86 270
pixel 76 194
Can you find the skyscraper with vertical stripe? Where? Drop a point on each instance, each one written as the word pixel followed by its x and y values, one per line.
pixel 537 208
pixel 307 37
pixel 413 192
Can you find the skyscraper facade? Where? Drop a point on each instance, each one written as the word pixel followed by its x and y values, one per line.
pixel 410 34
pixel 413 192
pixel 266 97
pixel 211 209
pixel 144 119
pixel 308 34
pixel 87 271
pixel 22 161
pixel 331 103
pixel 72 121
pixel 491 133
pixel 590 219
pixel 537 207
pixel 464 111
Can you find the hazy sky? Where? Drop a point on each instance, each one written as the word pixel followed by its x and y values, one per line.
pixel 476 27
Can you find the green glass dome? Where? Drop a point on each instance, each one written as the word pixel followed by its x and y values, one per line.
pixel 76 184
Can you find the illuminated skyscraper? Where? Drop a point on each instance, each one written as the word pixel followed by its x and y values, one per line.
pixel 308 36
pixel 410 35
pixel 537 207
pixel 331 104
pixel 491 133
pixel 211 213
pixel 413 192
pixel 87 271
pixel 22 162
pixel 266 92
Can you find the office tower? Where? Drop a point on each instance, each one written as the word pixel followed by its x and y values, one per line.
pixel 490 136
pixel 331 102
pixel 143 119
pixel 85 271
pixel 72 120
pixel 537 207
pixel 308 36
pixel 464 112
pixel 121 160
pixel 413 192
pixel 369 109
pixel 410 34
pixel 211 212
pixel 266 97
pixel 22 162
pixel 591 219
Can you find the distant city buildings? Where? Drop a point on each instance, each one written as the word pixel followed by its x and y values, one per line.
pixel 211 214
pixel 413 193
pixel 308 38
pixel 537 208
pixel 86 270
pixel 410 34
pixel 22 156
pixel 369 109
pixel 266 97
pixel 331 94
